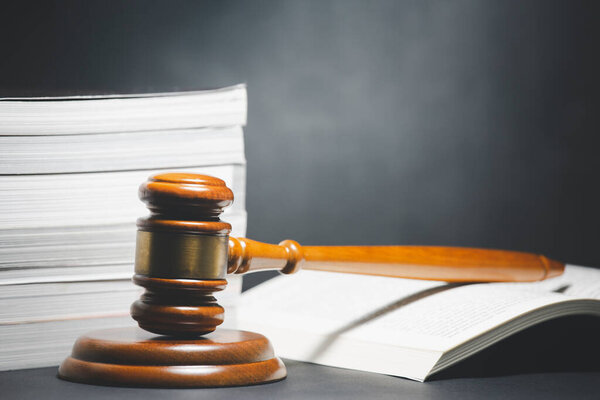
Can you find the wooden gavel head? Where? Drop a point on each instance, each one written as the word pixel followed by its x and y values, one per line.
pixel 181 260
pixel 184 252
pixel 181 254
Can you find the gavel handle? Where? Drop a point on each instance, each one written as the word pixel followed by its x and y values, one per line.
pixel 450 264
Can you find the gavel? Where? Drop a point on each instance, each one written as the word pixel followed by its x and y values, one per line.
pixel 184 253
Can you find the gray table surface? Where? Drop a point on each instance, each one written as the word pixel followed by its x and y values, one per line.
pixel 555 360
pixel 309 381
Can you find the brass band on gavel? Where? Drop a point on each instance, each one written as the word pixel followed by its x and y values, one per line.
pixel 164 254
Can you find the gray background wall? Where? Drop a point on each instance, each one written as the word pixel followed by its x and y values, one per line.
pixel 468 123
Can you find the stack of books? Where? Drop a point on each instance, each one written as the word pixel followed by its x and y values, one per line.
pixel 70 168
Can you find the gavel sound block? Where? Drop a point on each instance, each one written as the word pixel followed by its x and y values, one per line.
pixel 183 254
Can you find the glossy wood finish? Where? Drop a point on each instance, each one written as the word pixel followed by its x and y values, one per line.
pixel 181 202
pixel 185 195
pixel 132 357
pixel 197 199
pixel 183 223
pixel 247 255
pixel 182 307
pixel 451 264
pixel 185 209
pixel 182 206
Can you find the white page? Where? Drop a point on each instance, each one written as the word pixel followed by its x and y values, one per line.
pixel 449 318
pixel 576 281
pixel 309 315
pixel 21 310
pixel 32 201
pixel 24 347
pixel 328 317
pixel 411 313
pixel 123 113
pixel 121 151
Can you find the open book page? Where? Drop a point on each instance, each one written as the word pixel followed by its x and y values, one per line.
pixel 324 311
pixel 581 282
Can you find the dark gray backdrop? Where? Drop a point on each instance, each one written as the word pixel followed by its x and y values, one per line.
pixel 370 122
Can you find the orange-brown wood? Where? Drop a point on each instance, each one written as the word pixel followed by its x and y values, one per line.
pixel 193 354
pixel 247 255
pixel 182 255
pixel 186 195
pixel 187 204
pixel 182 307
pixel 181 204
pixel 132 357
pixel 451 264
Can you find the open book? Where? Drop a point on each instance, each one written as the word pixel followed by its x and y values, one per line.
pixel 403 327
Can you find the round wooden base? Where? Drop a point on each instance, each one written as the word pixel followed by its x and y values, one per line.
pixel 134 357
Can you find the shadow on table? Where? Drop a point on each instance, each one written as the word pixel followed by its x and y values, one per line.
pixel 568 344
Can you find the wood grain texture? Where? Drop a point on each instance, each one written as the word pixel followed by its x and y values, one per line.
pixel 182 307
pixel 180 269
pixel 183 207
pixel 247 255
pixel 179 301
pixel 188 203
pixel 132 357
pixel 182 202
pixel 451 264
pixel 185 194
